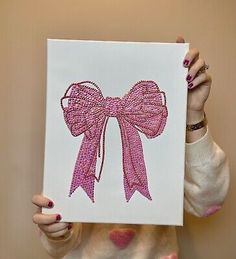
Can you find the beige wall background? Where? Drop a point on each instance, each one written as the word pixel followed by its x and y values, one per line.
pixel 25 26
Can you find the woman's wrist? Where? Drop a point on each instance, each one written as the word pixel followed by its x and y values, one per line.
pixel 195 117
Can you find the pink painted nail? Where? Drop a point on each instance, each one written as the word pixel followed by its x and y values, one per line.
pixel 50 204
pixel 58 217
pixel 186 62
pixel 188 78
pixel 190 85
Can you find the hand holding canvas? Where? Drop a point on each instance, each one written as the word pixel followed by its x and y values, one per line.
pixel 199 85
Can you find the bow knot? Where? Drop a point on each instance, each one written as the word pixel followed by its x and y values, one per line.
pixel 113 106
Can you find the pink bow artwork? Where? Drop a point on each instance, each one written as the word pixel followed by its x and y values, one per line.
pixel 87 112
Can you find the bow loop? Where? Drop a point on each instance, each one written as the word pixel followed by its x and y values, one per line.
pixel 82 108
pixel 145 108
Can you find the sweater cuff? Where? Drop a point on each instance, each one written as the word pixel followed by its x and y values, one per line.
pixel 200 151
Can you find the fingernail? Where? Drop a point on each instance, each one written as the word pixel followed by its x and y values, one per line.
pixel 50 204
pixel 58 217
pixel 190 85
pixel 186 62
pixel 188 78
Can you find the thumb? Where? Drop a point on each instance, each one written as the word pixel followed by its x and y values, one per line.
pixel 180 39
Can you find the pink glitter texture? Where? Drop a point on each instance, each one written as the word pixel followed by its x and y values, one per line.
pixel 86 111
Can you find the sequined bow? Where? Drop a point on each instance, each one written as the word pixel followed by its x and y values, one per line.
pixel 87 111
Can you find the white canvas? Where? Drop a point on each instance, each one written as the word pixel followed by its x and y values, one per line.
pixel 116 67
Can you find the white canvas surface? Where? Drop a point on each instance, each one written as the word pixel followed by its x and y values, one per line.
pixel 115 67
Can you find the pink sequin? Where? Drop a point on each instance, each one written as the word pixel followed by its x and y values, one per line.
pixel 212 210
pixel 121 237
pixel 86 111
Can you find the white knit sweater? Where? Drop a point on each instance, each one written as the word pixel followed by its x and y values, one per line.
pixel 206 185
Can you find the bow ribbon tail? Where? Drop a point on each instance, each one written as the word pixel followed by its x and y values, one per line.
pixel 84 174
pixel 135 177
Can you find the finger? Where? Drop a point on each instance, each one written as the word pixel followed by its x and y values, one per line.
pixel 194 69
pixel 180 39
pixel 41 201
pixel 192 55
pixel 59 233
pixel 39 218
pixel 55 227
pixel 203 78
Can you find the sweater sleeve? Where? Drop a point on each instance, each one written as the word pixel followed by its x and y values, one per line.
pixel 206 177
pixel 58 248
